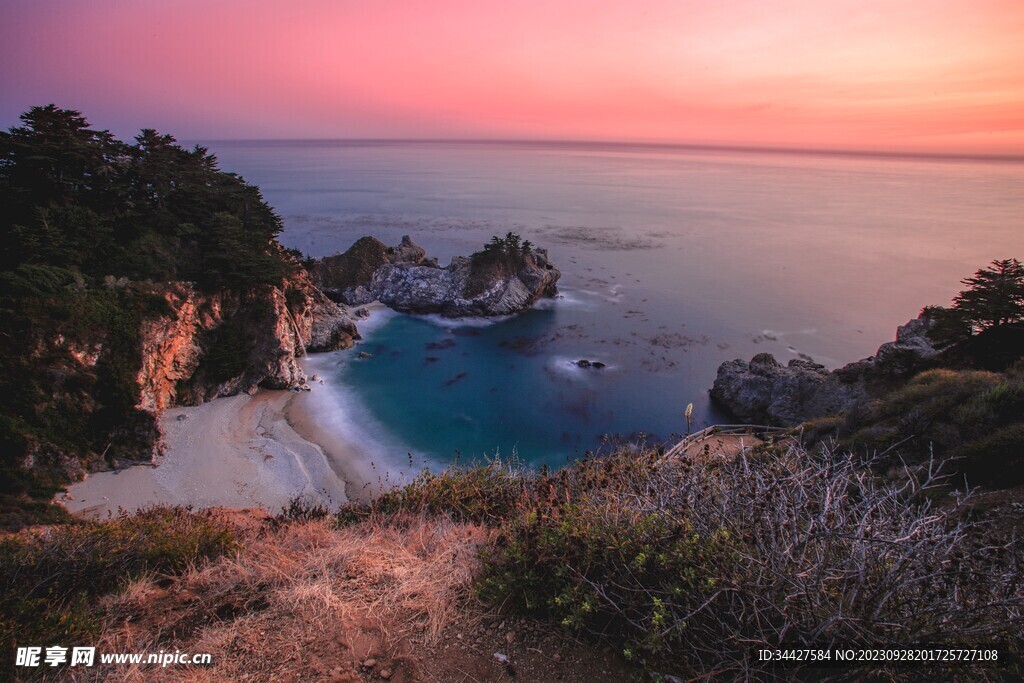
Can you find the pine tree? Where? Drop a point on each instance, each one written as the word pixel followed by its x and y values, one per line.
pixel 995 296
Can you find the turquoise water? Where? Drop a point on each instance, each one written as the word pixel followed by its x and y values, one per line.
pixel 673 261
pixel 513 386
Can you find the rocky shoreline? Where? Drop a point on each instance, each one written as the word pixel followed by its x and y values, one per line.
pixel 766 392
pixel 199 345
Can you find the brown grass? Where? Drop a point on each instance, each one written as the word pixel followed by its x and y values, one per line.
pixel 305 601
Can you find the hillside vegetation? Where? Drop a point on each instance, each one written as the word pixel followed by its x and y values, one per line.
pixel 966 404
pixel 684 566
pixel 633 564
pixel 92 229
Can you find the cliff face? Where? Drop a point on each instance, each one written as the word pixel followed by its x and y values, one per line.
pixel 212 345
pixel 94 380
pixel 765 391
pixel 404 279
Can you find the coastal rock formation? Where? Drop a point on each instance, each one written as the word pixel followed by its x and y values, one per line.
pixel 404 279
pixel 765 391
pixel 335 275
pixel 168 344
pixel 211 345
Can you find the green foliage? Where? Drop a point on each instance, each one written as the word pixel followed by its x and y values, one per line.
pixel 971 415
pixel 578 552
pixel 509 249
pixel 49 578
pixel 565 561
pixel 227 353
pixel 79 199
pixel 89 224
pixel 993 459
pixel 68 377
pixel 499 257
pixel 994 297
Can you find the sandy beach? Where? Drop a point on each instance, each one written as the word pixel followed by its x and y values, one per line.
pixel 241 451
pixel 247 451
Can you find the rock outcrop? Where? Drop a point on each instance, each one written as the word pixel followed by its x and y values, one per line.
pixel 404 279
pixel 765 391
pixel 211 345
pixel 170 344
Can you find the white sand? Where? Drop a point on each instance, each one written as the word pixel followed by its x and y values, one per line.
pixel 233 452
pixel 248 451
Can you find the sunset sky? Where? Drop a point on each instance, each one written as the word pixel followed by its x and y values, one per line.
pixel 890 75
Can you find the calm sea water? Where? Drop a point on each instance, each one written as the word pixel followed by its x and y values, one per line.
pixel 672 261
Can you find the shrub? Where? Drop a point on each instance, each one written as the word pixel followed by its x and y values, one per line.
pixel 994 460
pixel 301 509
pixel 967 415
pixel 598 565
pixel 699 563
pixel 488 492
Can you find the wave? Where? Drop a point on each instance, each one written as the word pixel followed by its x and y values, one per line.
pixel 454 323
pixel 566 298
pixel 379 316
pixel 376 458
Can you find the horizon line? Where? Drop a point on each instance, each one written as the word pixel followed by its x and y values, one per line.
pixel 689 146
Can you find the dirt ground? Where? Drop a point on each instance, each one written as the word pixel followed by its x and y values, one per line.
pixel 721 446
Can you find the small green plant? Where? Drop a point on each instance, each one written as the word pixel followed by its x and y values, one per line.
pixel 302 510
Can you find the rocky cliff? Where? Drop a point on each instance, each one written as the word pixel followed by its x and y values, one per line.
pixel 765 391
pixel 211 345
pixel 404 279
pixel 104 376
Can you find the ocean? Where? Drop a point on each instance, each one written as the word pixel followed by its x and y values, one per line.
pixel 673 260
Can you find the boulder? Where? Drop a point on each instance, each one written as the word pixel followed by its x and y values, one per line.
pixel 766 391
pixel 331 328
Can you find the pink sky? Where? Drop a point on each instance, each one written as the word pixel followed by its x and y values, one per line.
pixel 892 75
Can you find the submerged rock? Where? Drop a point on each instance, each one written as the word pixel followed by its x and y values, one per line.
pixel 404 279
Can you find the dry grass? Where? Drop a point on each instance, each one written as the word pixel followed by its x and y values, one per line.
pixel 305 601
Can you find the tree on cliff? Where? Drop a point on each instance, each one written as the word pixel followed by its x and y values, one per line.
pixel 89 229
pixel 994 298
pixel 79 199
